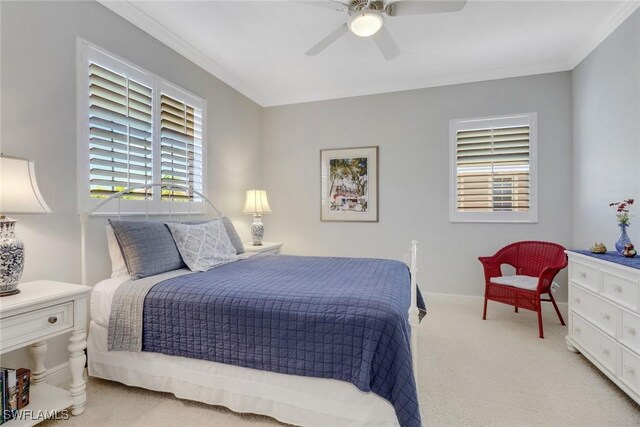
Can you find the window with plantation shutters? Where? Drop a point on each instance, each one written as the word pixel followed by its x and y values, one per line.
pixel 120 131
pixel 181 146
pixel 137 129
pixel 493 169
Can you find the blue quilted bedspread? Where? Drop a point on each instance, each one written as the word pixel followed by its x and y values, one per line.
pixel 340 318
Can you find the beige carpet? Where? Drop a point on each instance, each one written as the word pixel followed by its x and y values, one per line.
pixel 473 373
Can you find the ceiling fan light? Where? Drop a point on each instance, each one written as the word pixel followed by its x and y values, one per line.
pixel 365 23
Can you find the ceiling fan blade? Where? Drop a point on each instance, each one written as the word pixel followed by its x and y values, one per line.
pixel 325 42
pixel 385 43
pixel 413 7
pixel 336 5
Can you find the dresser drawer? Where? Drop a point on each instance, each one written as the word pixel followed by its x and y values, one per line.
pixel 630 333
pixel 585 276
pixel 594 308
pixel 630 370
pixel 621 290
pixel 597 344
pixel 26 327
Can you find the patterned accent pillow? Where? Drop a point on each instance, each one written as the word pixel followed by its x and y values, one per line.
pixel 203 246
pixel 236 241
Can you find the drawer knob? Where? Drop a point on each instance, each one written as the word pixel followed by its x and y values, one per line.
pixel 53 319
pixel 630 330
pixel 629 370
pixel 604 350
pixel 605 316
pixel 583 274
pixel 577 329
pixel 617 288
pixel 577 300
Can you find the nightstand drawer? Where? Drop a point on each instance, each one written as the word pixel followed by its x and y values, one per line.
pixel 26 327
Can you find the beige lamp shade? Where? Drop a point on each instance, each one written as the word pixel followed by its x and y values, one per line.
pixel 256 203
pixel 19 191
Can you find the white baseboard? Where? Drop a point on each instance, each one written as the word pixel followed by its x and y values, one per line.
pixel 438 294
pixel 59 375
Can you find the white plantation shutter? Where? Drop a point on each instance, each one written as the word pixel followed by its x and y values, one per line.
pixel 120 131
pixel 181 146
pixel 136 129
pixel 493 169
pixel 492 161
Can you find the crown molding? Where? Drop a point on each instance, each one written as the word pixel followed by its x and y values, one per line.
pixel 131 13
pixel 435 81
pixel 603 31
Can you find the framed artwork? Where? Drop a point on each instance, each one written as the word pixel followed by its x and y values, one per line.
pixel 349 184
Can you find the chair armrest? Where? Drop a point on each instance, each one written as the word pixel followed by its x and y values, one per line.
pixel 547 275
pixel 491 266
pixel 491 260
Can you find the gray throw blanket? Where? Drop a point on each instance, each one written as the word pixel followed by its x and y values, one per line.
pixel 125 320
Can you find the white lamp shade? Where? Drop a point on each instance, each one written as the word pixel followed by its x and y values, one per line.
pixel 19 191
pixel 256 202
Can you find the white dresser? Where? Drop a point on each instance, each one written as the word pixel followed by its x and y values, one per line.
pixel 604 317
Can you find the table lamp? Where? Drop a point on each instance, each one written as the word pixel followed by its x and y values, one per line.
pixel 256 204
pixel 19 193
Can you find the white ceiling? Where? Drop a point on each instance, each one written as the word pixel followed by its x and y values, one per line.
pixel 258 47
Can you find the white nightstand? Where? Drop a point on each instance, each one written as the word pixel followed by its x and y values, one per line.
pixel 265 248
pixel 44 309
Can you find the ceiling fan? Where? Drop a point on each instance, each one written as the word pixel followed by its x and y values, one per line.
pixel 366 19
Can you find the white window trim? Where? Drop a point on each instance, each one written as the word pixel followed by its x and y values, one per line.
pixel 86 51
pixel 530 216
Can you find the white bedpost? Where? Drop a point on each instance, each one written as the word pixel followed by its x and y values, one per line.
pixel 414 313
pixel 83 246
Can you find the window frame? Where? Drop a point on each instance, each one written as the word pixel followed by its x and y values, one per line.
pixel 529 216
pixel 87 52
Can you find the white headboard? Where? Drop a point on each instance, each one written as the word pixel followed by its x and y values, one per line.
pixel 116 199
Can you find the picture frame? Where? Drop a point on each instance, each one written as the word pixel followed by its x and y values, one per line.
pixel 349 184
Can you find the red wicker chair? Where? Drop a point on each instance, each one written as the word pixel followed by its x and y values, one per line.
pixel 542 260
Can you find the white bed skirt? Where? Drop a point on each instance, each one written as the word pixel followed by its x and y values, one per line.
pixel 292 399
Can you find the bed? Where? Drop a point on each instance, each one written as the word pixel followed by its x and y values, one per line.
pixel 312 341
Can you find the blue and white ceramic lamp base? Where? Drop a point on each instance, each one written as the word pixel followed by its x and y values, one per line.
pixel 257 230
pixel 11 257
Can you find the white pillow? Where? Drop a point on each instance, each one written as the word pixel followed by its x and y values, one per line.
pixel 118 267
pixel 203 246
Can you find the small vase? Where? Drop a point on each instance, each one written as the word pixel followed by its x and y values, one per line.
pixel 623 239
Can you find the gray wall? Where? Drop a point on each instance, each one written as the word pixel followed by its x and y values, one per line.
pixel 606 119
pixel 412 130
pixel 38 78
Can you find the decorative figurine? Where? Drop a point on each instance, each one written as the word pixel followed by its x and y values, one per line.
pixel 629 251
pixel 598 248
